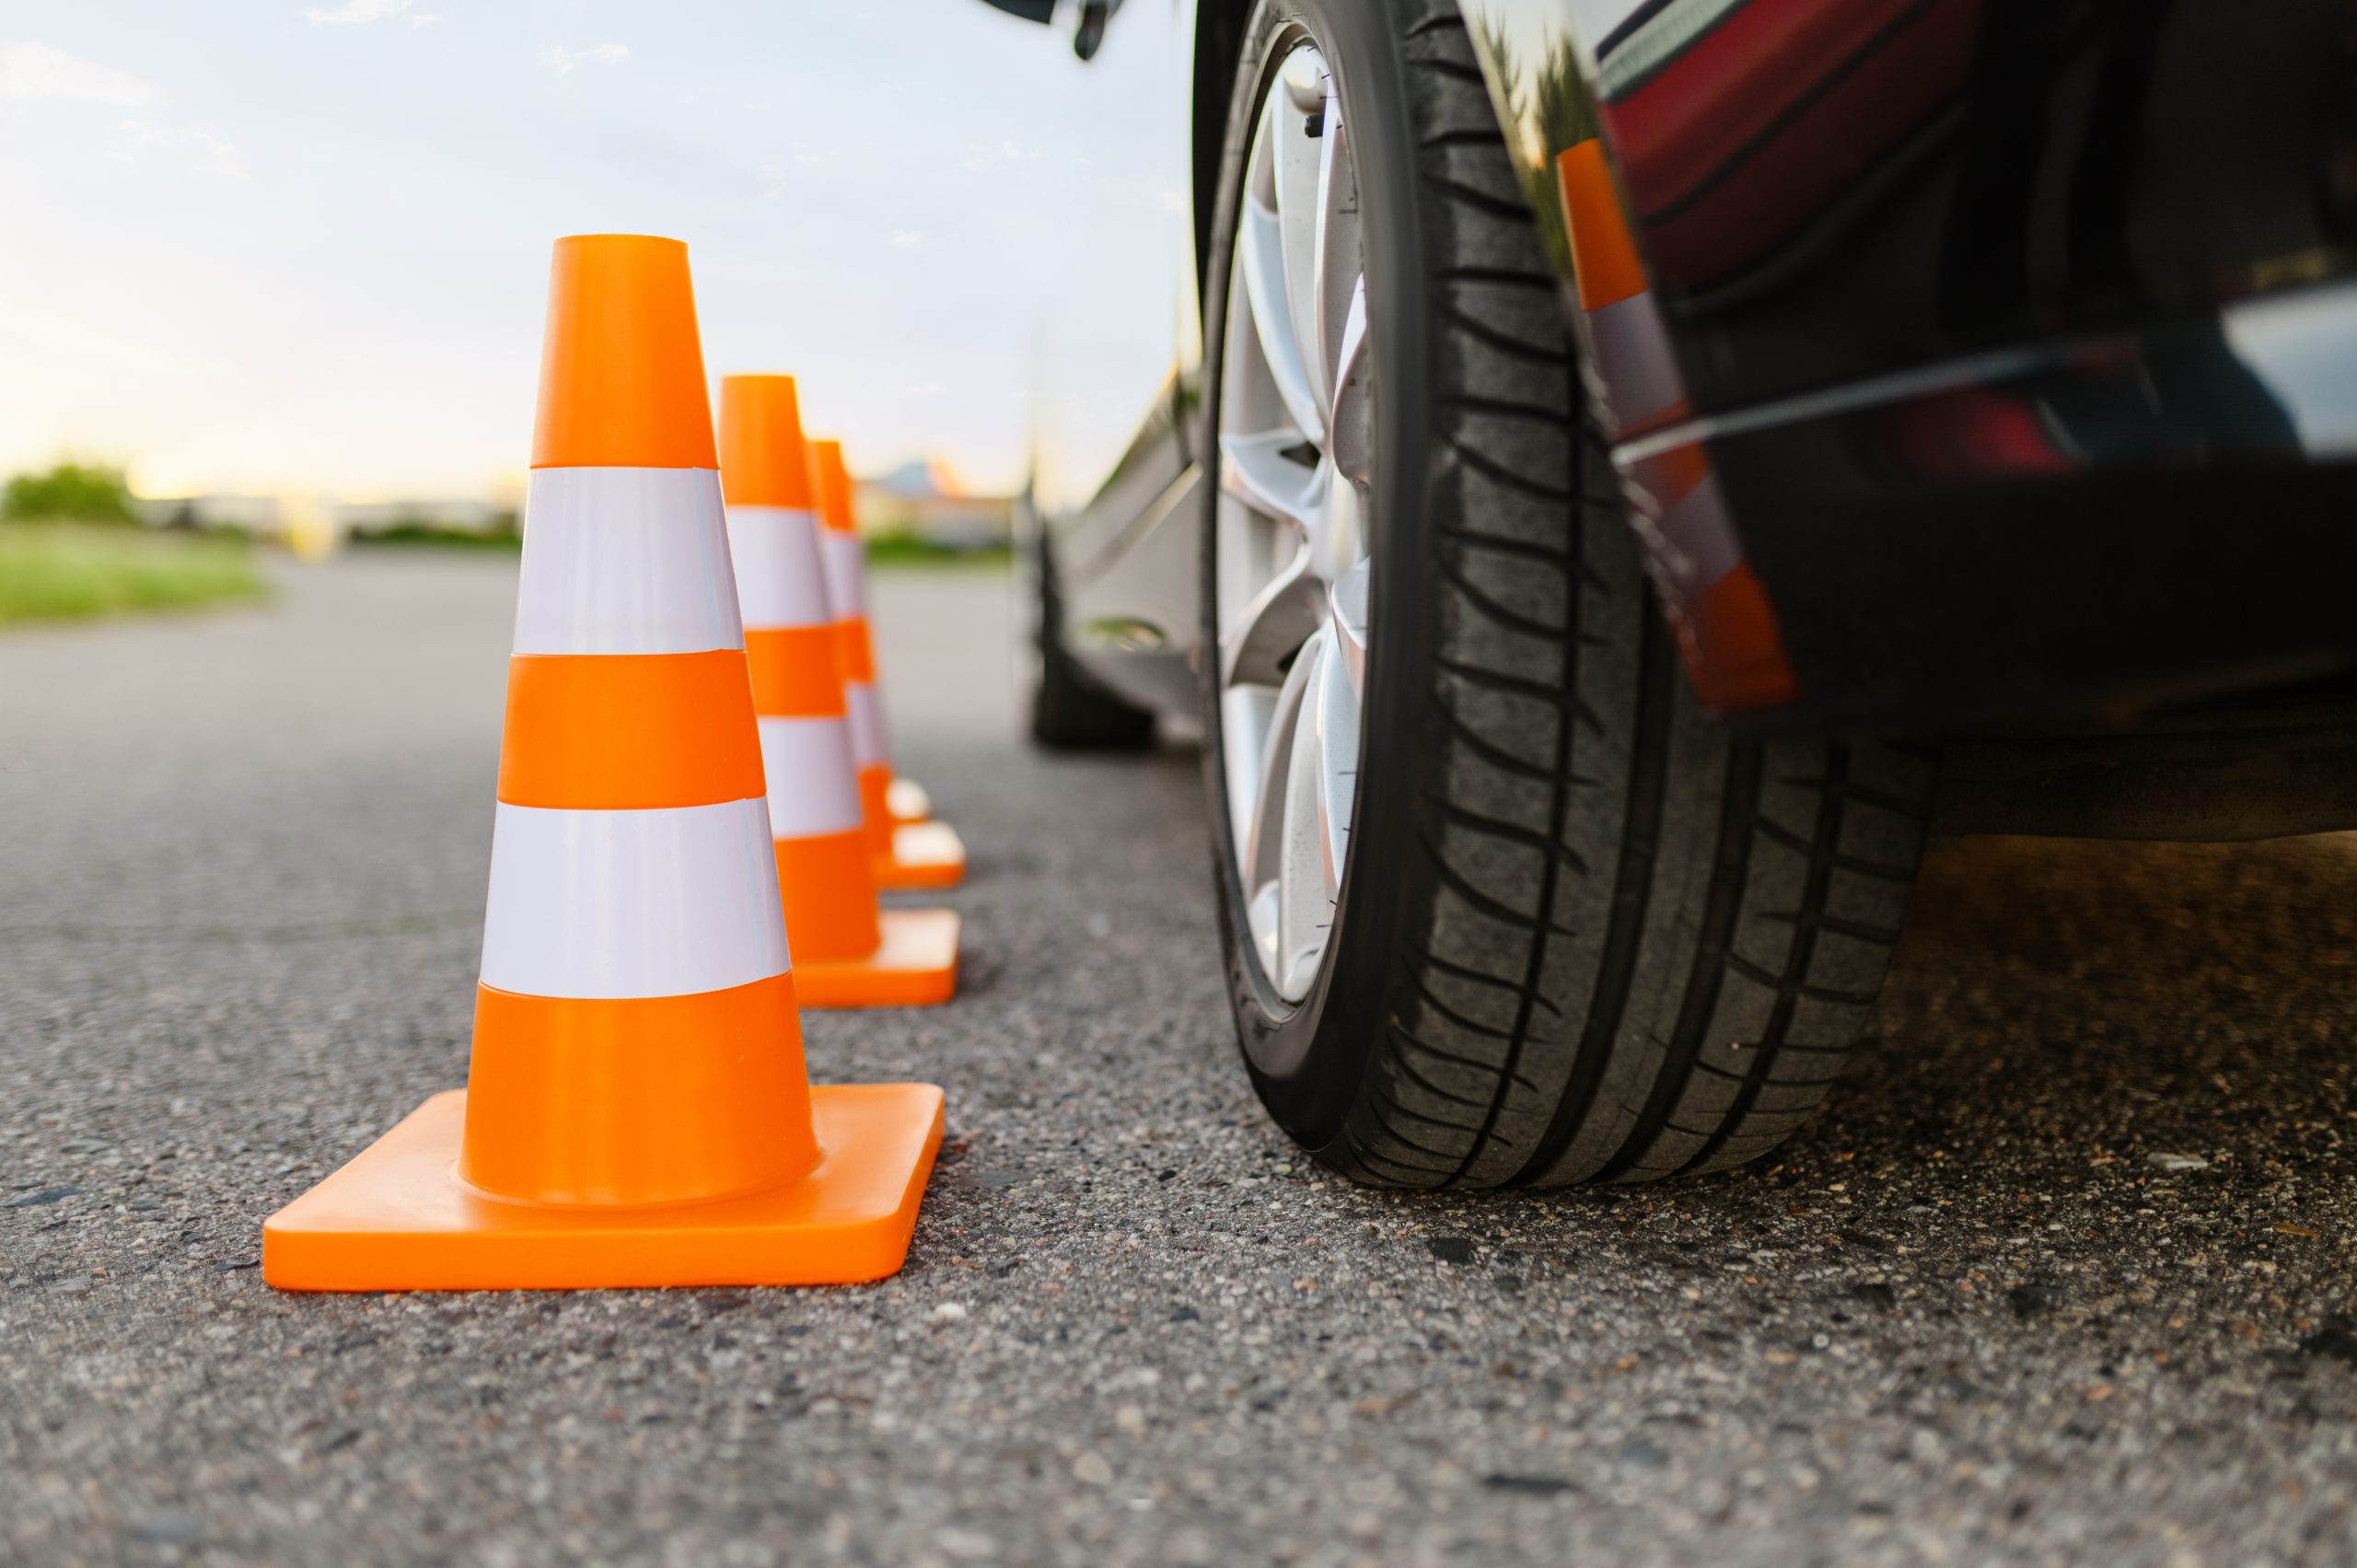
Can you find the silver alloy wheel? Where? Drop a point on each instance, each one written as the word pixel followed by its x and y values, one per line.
pixel 1291 540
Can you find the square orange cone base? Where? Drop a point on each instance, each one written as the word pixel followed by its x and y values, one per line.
pixel 907 801
pixel 398 1218
pixel 916 966
pixel 924 854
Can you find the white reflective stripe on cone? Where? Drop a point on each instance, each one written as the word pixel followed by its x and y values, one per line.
pixel 846 561
pixel 1633 360
pixel 625 561
pixel 813 788
pixel 778 580
pixel 661 902
pixel 867 722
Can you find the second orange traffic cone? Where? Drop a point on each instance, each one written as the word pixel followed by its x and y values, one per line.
pixel 907 854
pixel 847 953
pixel 637 1112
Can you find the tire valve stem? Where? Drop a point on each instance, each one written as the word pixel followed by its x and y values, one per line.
pixel 1313 125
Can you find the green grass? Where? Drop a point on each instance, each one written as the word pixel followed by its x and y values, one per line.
pixel 906 550
pixel 75 572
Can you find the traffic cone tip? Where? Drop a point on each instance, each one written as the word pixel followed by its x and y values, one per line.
pixel 621 366
pixel 764 460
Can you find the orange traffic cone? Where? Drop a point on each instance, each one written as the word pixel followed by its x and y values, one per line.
pixel 846 952
pixel 637 1112
pixel 907 854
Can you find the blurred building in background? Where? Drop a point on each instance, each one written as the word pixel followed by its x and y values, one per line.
pixel 258 515
pixel 925 501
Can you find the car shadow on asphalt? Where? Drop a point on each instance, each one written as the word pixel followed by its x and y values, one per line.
pixel 2058 1007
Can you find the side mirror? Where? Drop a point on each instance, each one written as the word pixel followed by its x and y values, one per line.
pixel 1029 10
pixel 1094 14
pixel 1087 34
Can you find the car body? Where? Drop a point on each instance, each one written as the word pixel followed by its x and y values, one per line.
pixel 2014 344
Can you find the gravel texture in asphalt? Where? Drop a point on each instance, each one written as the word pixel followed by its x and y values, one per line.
pixel 2063 1273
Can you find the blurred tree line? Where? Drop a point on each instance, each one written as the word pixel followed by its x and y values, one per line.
pixel 70 491
pixel 1552 106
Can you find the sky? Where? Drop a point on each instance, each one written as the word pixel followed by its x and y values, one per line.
pixel 287 248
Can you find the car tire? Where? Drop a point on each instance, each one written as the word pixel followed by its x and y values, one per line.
pixel 1580 934
pixel 1068 712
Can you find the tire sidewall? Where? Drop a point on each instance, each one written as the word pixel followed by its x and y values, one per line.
pixel 1306 1058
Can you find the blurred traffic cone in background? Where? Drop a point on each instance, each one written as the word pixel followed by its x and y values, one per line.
pixel 637 1112
pixel 908 855
pixel 846 953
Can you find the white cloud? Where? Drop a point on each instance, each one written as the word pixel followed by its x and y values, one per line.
pixel 913 240
pixel 561 60
pixel 66 339
pixel 33 72
pixel 214 156
pixel 360 13
pixel 778 178
pixel 981 156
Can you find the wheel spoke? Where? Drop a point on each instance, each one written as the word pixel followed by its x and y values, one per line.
pixel 1270 630
pixel 1301 170
pixel 1337 281
pixel 1267 474
pixel 1336 537
pixel 1349 430
pixel 1338 759
pixel 1262 860
pixel 1304 896
pixel 1260 239
pixel 1347 611
pixel 1247 724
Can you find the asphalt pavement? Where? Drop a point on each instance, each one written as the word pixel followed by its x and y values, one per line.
pixel 2063 1273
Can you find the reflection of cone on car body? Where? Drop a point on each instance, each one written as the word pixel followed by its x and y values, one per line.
pixel 637 1112
pixel 1725 628
pixel 846 953
pixel 908 855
